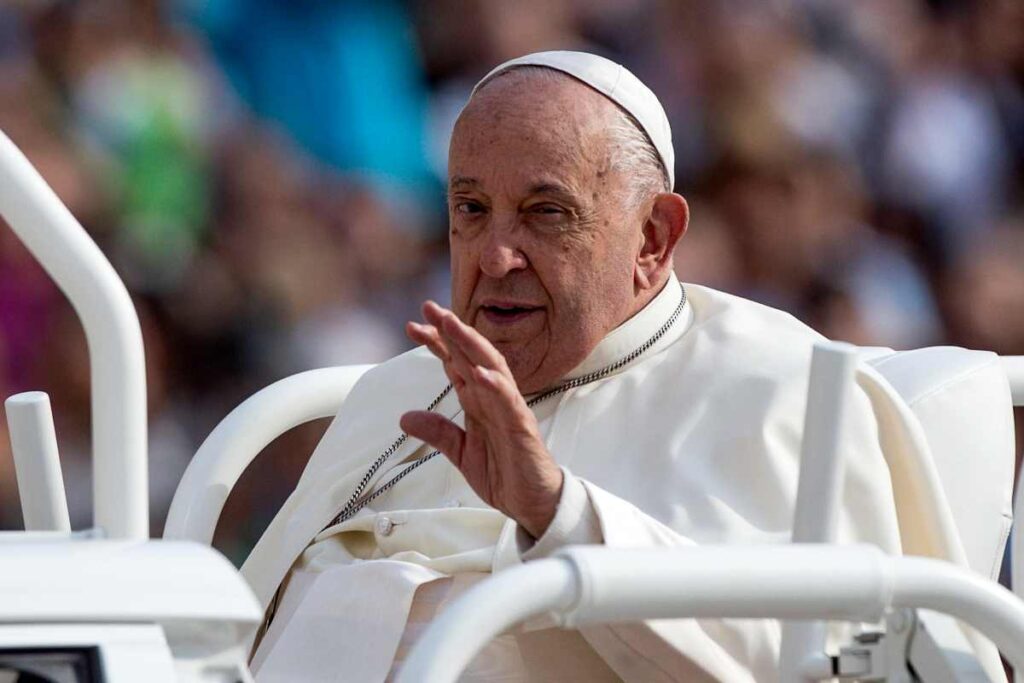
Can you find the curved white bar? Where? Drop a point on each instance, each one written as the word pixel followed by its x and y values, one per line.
pixel 483 612
pixel 117 367
pixel 36 463
pixel 799 581
pixel 1014 368
pixel 943 587
pixel 813 581
pixel 819 489
pixel 240 437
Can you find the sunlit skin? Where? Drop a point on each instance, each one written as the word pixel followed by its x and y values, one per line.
pixel 549 253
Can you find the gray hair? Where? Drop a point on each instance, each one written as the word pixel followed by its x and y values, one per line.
pixel 633 155
pixel 636 157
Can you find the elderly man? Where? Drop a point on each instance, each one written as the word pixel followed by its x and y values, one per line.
pixel 575 393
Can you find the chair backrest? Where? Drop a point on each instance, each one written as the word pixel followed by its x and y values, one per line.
pixel 242 435
pixel 962 399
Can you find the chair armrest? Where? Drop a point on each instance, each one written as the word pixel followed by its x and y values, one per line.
pixel 242 435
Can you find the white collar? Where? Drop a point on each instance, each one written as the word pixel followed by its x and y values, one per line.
pixel 633 333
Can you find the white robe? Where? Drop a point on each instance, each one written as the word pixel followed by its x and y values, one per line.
pixel 696 441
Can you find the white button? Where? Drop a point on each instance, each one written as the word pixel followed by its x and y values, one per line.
pixel 384 526
pixel 452 503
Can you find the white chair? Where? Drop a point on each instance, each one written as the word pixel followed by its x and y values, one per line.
pixel 963 401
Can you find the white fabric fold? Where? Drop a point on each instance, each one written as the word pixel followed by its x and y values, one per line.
pixel 334 635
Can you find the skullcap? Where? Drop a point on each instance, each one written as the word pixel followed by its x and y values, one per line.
pixel 615 82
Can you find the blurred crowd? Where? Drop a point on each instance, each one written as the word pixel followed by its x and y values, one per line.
pixel 268 178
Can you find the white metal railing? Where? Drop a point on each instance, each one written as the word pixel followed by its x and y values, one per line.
pixel 589 585
pixel 117 366
pixel 240 437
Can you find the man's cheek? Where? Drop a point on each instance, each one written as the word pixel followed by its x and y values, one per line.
pixel 461 292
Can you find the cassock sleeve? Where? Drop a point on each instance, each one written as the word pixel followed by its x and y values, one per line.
pixel 657 649
pixel 574 523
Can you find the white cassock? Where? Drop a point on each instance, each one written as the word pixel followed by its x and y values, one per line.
pixel 696 441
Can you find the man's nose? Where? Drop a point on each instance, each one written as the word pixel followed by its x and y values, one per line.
pixel 501 255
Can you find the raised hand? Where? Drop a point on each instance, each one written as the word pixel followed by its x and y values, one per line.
pixel 499 452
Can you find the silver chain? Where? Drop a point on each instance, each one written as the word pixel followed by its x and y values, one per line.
pixel 356 503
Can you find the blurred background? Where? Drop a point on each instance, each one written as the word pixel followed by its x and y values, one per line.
pixel 267 177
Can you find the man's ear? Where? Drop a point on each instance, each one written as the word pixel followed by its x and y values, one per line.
pixel 663 229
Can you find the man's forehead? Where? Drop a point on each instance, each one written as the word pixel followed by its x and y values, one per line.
pixel 532 131
pixel 549 124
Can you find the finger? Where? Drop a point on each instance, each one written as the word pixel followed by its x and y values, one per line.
pixel 433 312
pixel 431 338
pixel 428 336
pixel 434 315
pixel 436 430
pixel 474 345
pixel 458 357
pixel 489 378
pixel 499 398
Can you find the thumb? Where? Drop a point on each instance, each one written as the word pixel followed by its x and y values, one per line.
pixel 436 430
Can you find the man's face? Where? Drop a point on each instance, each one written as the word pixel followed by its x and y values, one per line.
pixel 544 241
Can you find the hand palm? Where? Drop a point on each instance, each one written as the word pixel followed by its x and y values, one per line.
pixel 499 451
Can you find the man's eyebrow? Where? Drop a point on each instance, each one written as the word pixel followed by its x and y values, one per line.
pixel 463 181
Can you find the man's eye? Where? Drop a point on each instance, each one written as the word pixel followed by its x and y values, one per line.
pixel 469 208
pixel 547 209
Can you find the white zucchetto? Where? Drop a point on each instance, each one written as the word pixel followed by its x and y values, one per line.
pixel 615 82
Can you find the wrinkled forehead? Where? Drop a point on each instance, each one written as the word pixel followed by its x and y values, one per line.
pixel 529 120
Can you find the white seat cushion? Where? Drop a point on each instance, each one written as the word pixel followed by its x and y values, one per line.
pixel 962 399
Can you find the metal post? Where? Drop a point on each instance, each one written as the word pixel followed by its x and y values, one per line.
pixel 117 367
pixel 36 464
pixel 819 494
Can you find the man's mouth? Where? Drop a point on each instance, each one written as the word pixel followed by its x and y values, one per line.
pixel 503 313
